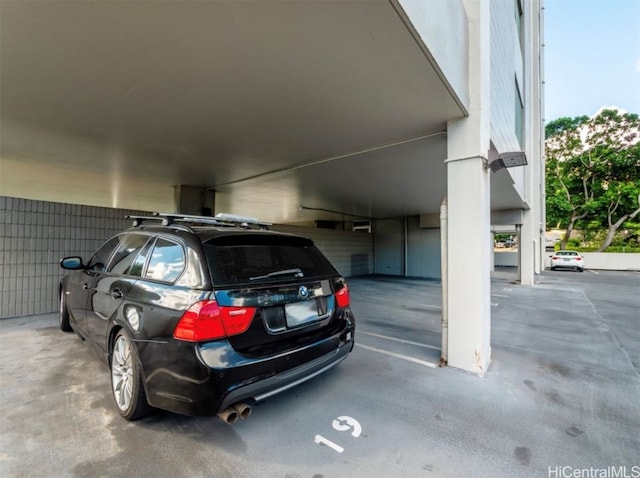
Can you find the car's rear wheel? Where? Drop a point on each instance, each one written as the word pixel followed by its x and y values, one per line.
pixel 126 379
pixel 580 269
pixel 63 317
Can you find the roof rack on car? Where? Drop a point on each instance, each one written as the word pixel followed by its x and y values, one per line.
pixel 221 219
pixel 242 221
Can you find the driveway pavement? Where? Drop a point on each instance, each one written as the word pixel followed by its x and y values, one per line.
pixel 562 394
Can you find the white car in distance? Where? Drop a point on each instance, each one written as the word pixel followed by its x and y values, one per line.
pixel 567 260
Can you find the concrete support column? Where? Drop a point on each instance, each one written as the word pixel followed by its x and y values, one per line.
pixel 533 226
pixel 468 258
pixel 527 240
pixel 469 262
pixel 492 240
pixel 193 200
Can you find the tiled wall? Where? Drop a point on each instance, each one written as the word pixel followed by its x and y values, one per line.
pixel 35 235
pixel 350 252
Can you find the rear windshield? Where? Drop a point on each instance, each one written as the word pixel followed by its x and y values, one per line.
pixel 567 253
pixel 258 259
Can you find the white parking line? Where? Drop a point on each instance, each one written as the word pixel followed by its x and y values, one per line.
pixel 430 306
pixel 593 271
pixel 398 356
pixel 417 344
pixel 499 295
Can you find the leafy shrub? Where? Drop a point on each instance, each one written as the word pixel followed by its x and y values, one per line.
pixel 573 243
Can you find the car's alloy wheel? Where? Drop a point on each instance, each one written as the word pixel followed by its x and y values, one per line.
pixel 63 317
pixel 126 380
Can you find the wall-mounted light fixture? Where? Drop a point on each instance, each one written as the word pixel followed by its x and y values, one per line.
pixel 508 160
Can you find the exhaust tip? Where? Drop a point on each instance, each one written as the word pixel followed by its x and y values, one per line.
pixel 243 410
pixel 228 416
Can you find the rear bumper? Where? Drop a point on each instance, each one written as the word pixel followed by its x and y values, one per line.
pixel 280 382
pixel 567 265
pixel 204 379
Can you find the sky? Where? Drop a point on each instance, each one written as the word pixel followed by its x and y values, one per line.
pixel 592 56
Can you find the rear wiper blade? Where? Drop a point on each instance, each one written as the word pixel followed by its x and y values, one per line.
pixel 296 272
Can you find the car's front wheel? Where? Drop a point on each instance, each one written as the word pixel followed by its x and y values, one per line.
pixel 126 379
pixel 63 317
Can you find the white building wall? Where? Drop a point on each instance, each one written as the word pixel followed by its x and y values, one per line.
pixel 506 66
pixel 442 26
pixel 533 227
pixel 507 81
pixel 389 247
pixel 516 92
pixel 423 250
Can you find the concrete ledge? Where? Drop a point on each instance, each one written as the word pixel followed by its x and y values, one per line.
pixel 506 258
pixel 608 261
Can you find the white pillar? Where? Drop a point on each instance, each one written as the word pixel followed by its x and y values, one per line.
pixel 444 256
pixel 528 232
pixel 533 225
pixel 492 241
pixel 468 278
pixel 469 217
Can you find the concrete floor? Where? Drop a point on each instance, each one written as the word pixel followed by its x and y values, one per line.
pixel 562 391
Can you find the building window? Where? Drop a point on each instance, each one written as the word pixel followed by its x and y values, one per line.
pixel 519 24
pixel 519 114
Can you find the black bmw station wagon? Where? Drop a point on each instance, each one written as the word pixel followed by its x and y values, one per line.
pixel 202 316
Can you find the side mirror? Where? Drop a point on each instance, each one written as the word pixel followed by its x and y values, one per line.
pixel 73 263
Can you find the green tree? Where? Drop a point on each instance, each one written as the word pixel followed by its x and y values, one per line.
pixel 618 195
pixel 567 200
pixel 593 171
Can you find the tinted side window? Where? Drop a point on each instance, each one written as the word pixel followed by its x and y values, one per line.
pixel 138 263
pixel 166 262
pixel 130 246
pixel 99 260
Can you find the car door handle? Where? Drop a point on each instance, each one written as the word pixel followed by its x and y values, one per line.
pixel 117 294
pixel 85 286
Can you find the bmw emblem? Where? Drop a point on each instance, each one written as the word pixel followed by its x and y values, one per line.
pixel 303 292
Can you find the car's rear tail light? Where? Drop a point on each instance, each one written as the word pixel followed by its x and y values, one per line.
pixel 578 258
pixel 206 320
pixel 342 293
pixel 555 258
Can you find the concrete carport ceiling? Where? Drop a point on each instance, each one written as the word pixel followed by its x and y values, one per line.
pixel 332 105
